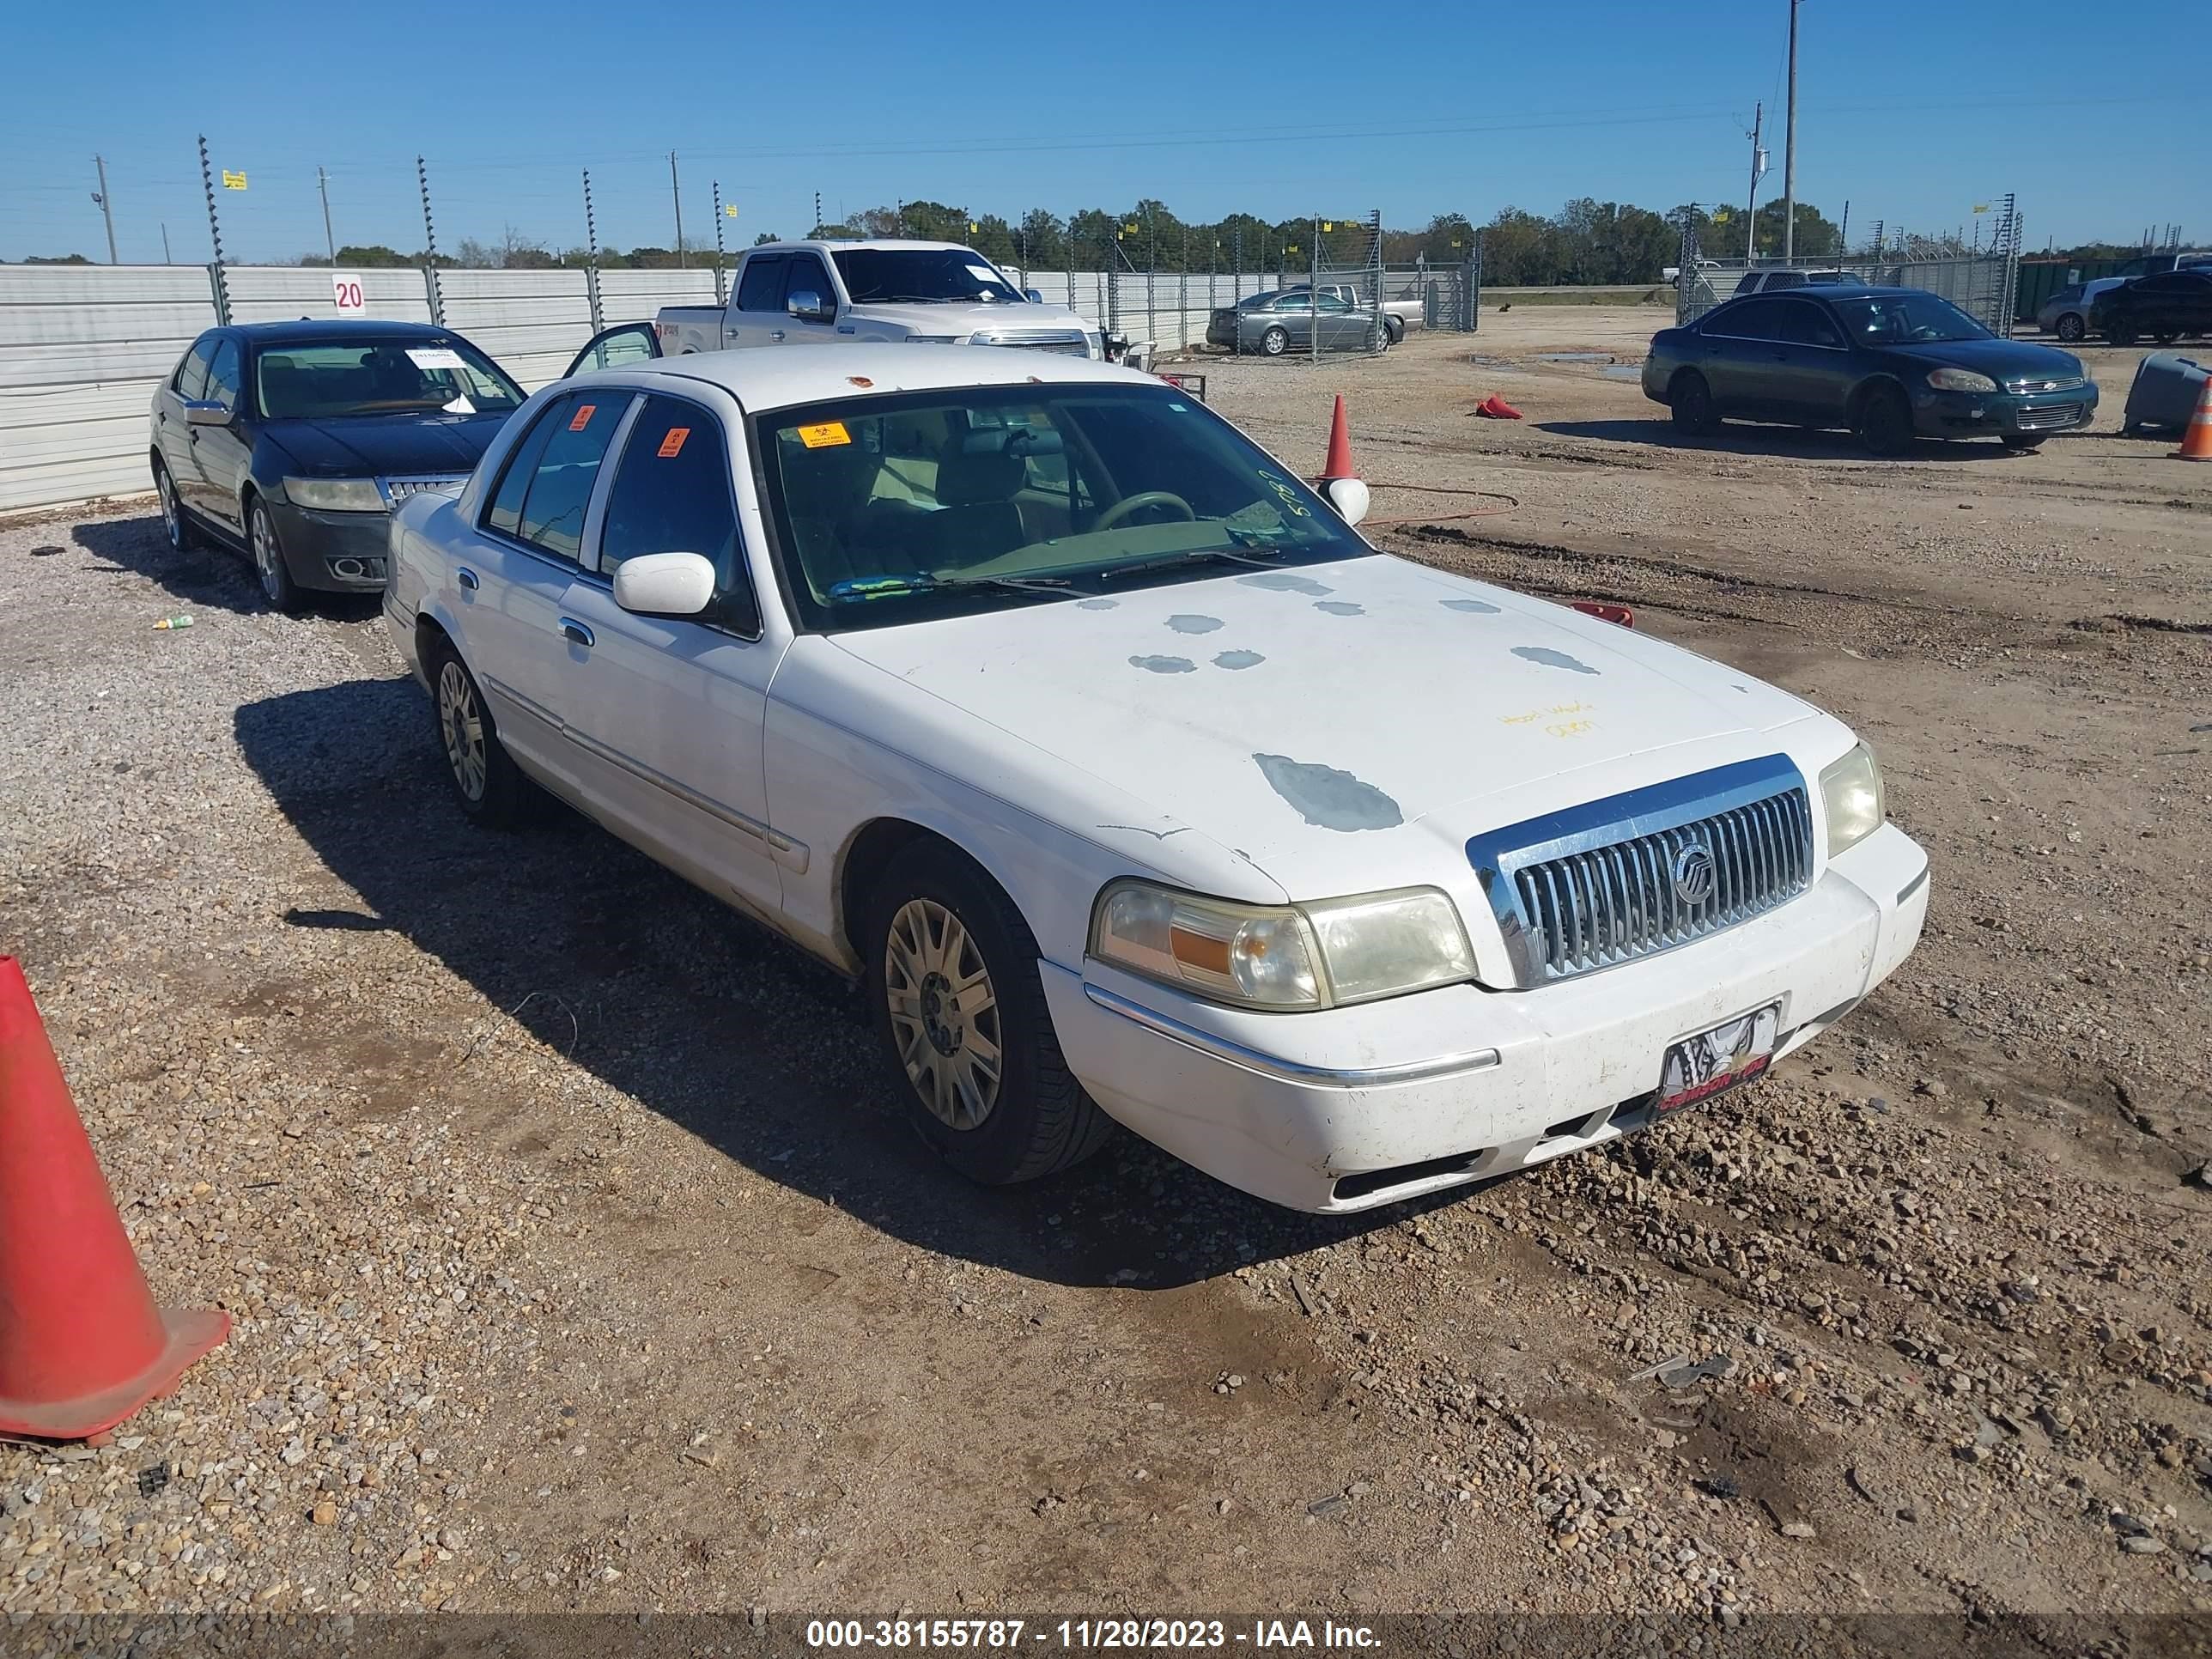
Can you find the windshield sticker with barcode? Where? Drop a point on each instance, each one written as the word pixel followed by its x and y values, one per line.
pixel 435 357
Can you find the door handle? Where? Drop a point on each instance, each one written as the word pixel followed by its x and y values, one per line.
pixel 466 578
pixel 578 633
pixel 775 334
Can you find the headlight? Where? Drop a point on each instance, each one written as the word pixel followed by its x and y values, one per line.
pixel 335 495
pixel 1321 955
pixel 1851 788
pixel 1959 379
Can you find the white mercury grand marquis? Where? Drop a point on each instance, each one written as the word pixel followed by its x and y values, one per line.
pixel 1134 784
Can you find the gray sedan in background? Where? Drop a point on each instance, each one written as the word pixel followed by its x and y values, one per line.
pixel 1273 324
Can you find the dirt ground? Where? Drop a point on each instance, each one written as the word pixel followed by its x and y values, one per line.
pixel 580 1260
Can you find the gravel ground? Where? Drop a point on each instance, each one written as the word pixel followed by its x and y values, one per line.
pixel 579 1260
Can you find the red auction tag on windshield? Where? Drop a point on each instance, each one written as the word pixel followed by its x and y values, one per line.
pixel 582 417
pixel 673 443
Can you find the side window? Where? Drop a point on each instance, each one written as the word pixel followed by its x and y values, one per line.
pixel 761 288
pixel 672 494
pixel 1333 300
pixel 225 375
pixel 1747 319
pixel 807 276
pixel 561 484
pixel 191 378
pixel 505 513
pixel 1295 303
pixel 1804 323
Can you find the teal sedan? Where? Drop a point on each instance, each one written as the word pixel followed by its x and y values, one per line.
pixel 1891 364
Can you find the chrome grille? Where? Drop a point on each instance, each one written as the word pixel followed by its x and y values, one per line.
pixel 1617 880
pixel 1070 342
pixel 2049 419
pixel 397 490
pixel 2046 383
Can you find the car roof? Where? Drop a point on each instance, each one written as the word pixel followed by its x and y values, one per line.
pixel 763 379
pixel 1843 291
pixel 336 328
pixel 882 242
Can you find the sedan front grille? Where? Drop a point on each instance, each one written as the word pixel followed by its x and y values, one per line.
pixel 1637 874
pixel 2046 383
pixel 397 490
pixel 2050 418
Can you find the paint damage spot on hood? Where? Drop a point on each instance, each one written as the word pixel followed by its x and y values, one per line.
pixel 1327 798
pixel 1475 607
pixel 1340 608
pixel 1282 581
pixel 1189 624
pixel 1551 659
pixel 1238 659
pixel 1164 665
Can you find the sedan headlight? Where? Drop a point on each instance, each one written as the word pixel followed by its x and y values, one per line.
pixel 1321 955
pixel 335 495
pixel 1851 789
pixel 1959 379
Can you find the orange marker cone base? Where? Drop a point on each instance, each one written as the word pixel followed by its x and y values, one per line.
pixel 2196 442
pixel 191 1333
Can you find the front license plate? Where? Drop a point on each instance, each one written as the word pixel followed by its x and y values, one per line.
pixel 1735 1051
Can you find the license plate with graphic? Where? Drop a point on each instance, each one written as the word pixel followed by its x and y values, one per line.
pixel 1735 1051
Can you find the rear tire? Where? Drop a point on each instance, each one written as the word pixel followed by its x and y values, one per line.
pixel 2120 334
pixel 1696 415
pixel 2071 328
pixel 492 789
pixel 1885 423
pixel 1274 342
pixel 952 972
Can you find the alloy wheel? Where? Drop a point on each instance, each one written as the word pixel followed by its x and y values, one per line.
pixel 944 1013
pixel 267 560
pixel 461 721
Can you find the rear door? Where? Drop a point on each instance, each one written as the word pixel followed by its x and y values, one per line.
pixel 1742 342
pixel 756 313
pixel 666 713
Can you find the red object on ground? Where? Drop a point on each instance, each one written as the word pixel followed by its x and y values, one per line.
pixel 1339 465
pixel 1496 409
pixel 81 1344
pixel 2196 442
pixel 1604 612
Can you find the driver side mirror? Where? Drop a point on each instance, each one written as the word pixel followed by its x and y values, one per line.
pixel 206 412
pixel 809 307
pixel 1033 295
pixel 1349 497
pixel 665 584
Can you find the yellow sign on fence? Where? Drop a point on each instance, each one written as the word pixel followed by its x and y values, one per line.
pixel 729 210
pixel 233 181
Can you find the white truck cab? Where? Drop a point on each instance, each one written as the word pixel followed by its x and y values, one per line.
pixel 838 293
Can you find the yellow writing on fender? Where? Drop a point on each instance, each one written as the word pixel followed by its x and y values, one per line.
pixel 825 435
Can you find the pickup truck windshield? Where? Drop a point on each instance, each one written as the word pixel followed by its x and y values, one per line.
pixel 901 508
pixel 318 381
pixel 926 276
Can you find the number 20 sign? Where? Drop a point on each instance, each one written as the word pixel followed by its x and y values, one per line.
pixel 346 291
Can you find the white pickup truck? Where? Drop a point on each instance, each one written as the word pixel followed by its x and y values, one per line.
pixel 836 292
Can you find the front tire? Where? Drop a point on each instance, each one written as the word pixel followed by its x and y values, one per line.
pixel 1885 423
pixel 491 787
pixel 2071 328
pixel 2120 334
pixel 952 972
pixel 275 575
pixel 2022 444
pixel 1696 415
pixel 1275 341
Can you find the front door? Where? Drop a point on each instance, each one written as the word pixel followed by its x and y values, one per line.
pixel 223 455
pixel 804 274
pixel 172 430
pixel 756 315
pixel 667 715
pixel 1810 382
pixel 610 348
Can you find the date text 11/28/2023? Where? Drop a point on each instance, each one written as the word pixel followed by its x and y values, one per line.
pixel 1013 1635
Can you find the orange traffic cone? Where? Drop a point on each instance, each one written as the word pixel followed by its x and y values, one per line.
pixel 1340 483
pixel 1496 409
pixel 2196 442
pixel 81 1344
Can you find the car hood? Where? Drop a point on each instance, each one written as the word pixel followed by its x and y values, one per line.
pixel 387 446
pixel 1303 717
pixel 965 319
pixel 2001 360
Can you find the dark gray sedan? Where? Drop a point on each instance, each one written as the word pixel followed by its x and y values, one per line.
pixel 1273 324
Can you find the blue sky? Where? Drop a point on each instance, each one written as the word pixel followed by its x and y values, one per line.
pixel 1912 110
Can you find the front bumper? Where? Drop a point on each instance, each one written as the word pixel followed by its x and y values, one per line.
pixel 1969 414
pixel 1352 1108
pixel 333 552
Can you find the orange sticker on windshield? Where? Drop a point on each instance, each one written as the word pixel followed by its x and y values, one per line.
pixel 672 445
pixel 825 435
pixel 582 417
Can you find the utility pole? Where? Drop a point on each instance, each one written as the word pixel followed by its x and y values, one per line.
pixel 323 185
pixel 675 195
pixel 1758 169
pixel 1789 150
pixel 106 208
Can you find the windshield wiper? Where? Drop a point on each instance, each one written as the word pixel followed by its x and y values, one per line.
pixel 891 588
pixel 1252 557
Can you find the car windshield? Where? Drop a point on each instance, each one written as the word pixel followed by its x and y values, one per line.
pixel 1906 319
pixel 926 276
pixel 899 508
pixel 410 374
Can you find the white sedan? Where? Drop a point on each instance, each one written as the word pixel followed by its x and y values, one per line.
pixel 1133 783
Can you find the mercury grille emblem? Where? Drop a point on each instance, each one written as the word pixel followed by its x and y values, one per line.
pixel 1693 871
